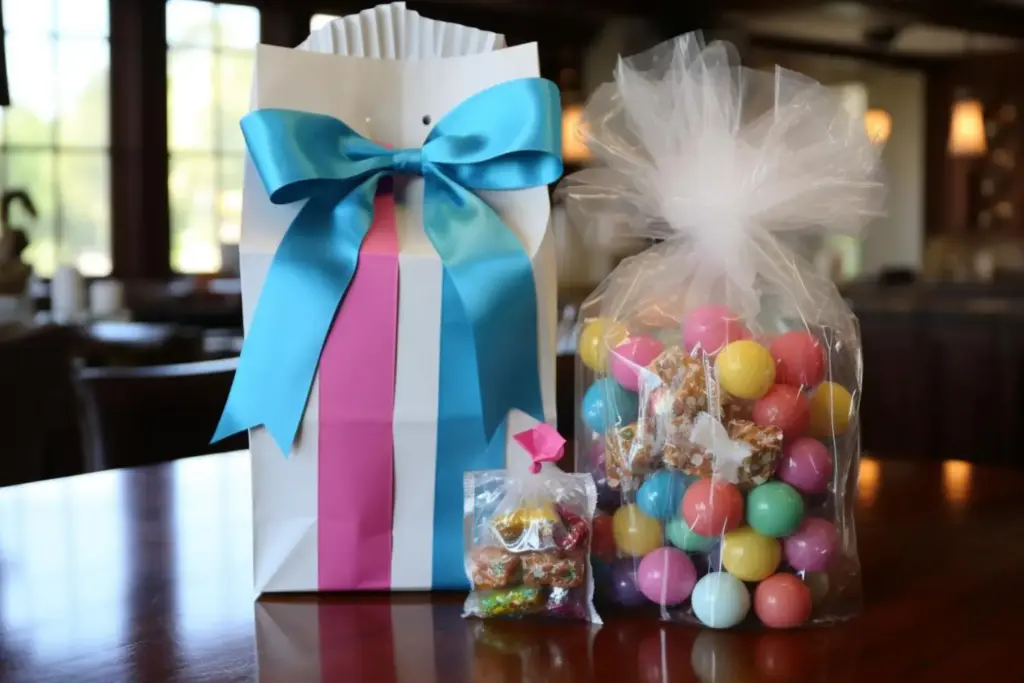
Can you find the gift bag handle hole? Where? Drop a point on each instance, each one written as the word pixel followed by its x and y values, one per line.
pixel 426 119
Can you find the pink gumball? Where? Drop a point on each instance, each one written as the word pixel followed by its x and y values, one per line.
pixel 806 465
pixel 784 407
pixel 666 576
pixel 782 601
pixel 812 545
pixel 711 328
pixel 627 360
pixel 799 359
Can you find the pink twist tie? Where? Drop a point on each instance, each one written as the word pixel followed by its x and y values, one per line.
pixel 543 443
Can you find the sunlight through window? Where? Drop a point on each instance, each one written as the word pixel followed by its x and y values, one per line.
pixel 55 136
pixel 210 48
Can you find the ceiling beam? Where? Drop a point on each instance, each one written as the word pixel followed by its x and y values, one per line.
pixel 826 49
pixel 974 16
pixel 544 10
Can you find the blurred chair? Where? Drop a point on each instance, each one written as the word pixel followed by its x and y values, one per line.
pixel 136 344
pixel 40 422
pixel 145 415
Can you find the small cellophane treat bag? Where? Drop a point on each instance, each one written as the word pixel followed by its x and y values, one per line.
pixel 719 375
pixel 528 535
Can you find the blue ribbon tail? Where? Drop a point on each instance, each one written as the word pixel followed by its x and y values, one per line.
pixel 489 361
pixel 305 284
pixel 492 276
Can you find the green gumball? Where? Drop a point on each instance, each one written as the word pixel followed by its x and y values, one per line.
pixel 683 537
pixel 774 509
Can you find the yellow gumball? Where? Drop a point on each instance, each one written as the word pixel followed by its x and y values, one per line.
pixel 596 339
pixel 745 369
pixel 635 533
pixel 749 556
pixel 831 410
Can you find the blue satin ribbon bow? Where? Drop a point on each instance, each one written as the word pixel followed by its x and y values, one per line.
pixel 507 137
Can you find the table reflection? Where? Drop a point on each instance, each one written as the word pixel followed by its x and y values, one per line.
pixel 401 641
pixel 956 481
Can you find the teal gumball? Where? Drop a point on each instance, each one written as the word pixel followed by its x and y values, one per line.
pixel 774 509
pixel 607 405
pixel 683 537
pixel 661 494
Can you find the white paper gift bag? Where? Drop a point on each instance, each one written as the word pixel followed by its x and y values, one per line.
pixel 399 292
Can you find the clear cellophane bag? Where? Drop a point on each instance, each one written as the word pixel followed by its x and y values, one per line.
pixel 719 374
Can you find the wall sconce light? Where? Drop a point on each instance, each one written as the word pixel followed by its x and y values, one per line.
pixel 574 150
pixel 967 129
pixel 878 124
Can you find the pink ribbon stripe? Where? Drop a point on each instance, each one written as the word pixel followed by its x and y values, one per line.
pixel 357 399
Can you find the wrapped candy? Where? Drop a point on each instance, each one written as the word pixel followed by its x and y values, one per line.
pixel 631 449
pixel 554 568
pixel 734 371
pixel 507 602
pixel 493 567
pixel 527 528
pixel 528 535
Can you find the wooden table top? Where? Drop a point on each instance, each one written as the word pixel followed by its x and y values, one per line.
pixel 144 575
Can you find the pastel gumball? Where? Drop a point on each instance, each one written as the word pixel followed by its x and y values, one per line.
pixel 712 507
pixel 831 408
pixel 683 537
pixel 812 546
pixel 666 576
pixel 624 589
pixel 782 601
pixel 636 534
pixel 710 328
pixel 630 358
pixel 720 600
pixel 597 338
pixel 806 465
pixel 799 359
pixel 607 405
pixel 745 369
pixel 750 556
pixel 774 509
pixel 784 407
pixel 661 494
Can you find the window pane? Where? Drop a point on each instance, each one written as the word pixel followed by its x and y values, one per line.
pixel 318 20
pixel 194 244
pixel 83 76
pixel 33 172
pixel 190 99
pixel 28 16
pixel 234 92
pixel 81 18
pixel 230 204
pixel 30 68
pixel 84 182
pixel 238 26
pixel 189 22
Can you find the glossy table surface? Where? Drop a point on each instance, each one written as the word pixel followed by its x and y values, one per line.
pixel 144 575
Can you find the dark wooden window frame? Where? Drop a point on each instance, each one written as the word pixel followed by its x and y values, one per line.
pixel 140 160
